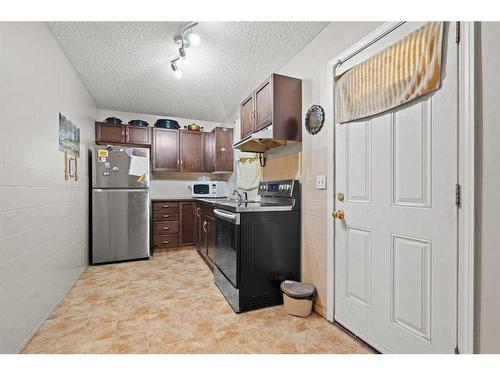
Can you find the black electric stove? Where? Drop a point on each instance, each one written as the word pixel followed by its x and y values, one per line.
pixel 258 245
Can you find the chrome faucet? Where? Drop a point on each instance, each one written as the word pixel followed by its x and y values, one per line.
pixel 240 197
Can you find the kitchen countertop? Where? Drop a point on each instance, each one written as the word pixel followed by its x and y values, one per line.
pixel 233 205
pixel 173 199
pixel 190 199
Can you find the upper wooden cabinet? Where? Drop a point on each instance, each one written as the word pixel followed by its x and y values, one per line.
pixel 218 150
pixel 263 105
pixel 192 150
pixel 137 135
pixel 209 151
pixel 109 133
pixel 222 140
pixel 176 150
pixel 122 134
pixel 278 102
pixel 247 120
pixel 165 150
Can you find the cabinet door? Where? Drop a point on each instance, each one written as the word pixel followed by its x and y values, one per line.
pixel 210 238
pixel 191 151
pixel 137 135
pixel 109 133
pixel 187 234
pixel 165 150
pixel 196 223
pixel 247 118
pixel 209 145
pixel 202 235
pixel 223 149
pixel 263 105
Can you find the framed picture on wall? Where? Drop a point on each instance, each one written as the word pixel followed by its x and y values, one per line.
pixel 71 167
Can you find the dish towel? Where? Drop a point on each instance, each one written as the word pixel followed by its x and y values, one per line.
pixel 249 171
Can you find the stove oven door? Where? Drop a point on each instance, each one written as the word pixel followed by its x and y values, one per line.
pixel 227 244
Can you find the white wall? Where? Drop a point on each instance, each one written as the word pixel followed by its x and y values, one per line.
pixel 43 218
pixel 488 202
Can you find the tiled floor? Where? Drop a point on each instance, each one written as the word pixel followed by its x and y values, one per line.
pixel 170 305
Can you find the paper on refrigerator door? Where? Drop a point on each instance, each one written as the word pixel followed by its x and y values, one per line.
pixel 138 166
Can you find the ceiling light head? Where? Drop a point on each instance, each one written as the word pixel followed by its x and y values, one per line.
pixel 182 52
pixel 175 68
pixel 183 40
pixel 194 39
pixel 178 40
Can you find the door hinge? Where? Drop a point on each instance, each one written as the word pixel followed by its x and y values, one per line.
pixel 456 350
pixel 457 32
pixel 458 195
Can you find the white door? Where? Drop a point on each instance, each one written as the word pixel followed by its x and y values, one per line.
pixel 396 248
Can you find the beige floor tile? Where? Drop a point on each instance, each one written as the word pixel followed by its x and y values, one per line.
pixel 171 305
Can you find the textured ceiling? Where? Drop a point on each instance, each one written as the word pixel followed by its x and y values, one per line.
pixel 126 65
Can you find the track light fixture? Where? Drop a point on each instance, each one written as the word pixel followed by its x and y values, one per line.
pixel 183 40
pixel 175 68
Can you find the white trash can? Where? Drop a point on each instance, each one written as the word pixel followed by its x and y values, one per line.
pixel 298 297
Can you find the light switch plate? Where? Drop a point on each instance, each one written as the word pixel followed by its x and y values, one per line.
pixel 321 182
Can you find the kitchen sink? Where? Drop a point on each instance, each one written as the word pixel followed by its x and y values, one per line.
pixel 229 200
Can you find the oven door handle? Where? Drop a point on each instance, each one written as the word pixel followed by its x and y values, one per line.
pixel 229 216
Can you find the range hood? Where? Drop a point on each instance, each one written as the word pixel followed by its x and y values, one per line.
pixel 260 141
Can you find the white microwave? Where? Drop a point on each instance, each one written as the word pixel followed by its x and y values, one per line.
pixel 209 189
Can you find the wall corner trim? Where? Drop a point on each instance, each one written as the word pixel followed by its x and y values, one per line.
pixel 466 179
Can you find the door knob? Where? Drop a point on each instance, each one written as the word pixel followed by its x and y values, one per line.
pixel 338 214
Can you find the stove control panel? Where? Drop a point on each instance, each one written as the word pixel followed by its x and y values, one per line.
pixel 283 188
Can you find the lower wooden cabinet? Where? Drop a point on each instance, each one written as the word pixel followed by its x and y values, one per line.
pixel 206 232
pixel 181 223
pixel 188 224
pixel 210 239
pixel 173 224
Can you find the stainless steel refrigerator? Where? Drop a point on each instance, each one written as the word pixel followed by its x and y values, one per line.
pixel 120 204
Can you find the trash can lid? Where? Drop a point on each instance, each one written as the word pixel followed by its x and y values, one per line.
pixel 296 289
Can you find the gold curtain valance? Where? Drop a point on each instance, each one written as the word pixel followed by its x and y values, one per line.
pixel 404 71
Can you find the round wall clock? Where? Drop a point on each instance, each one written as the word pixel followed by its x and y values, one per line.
pixel 315 117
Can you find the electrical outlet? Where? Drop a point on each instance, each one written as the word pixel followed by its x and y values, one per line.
pixel 321 182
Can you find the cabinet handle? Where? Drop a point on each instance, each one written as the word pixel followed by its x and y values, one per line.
pixel 204 226
pixel 224 129
pixel 166 215
pixel 198 212
pixel 165 228
pixel 223 149
pixel 166 206
pixel 165 242
pixel 213 161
